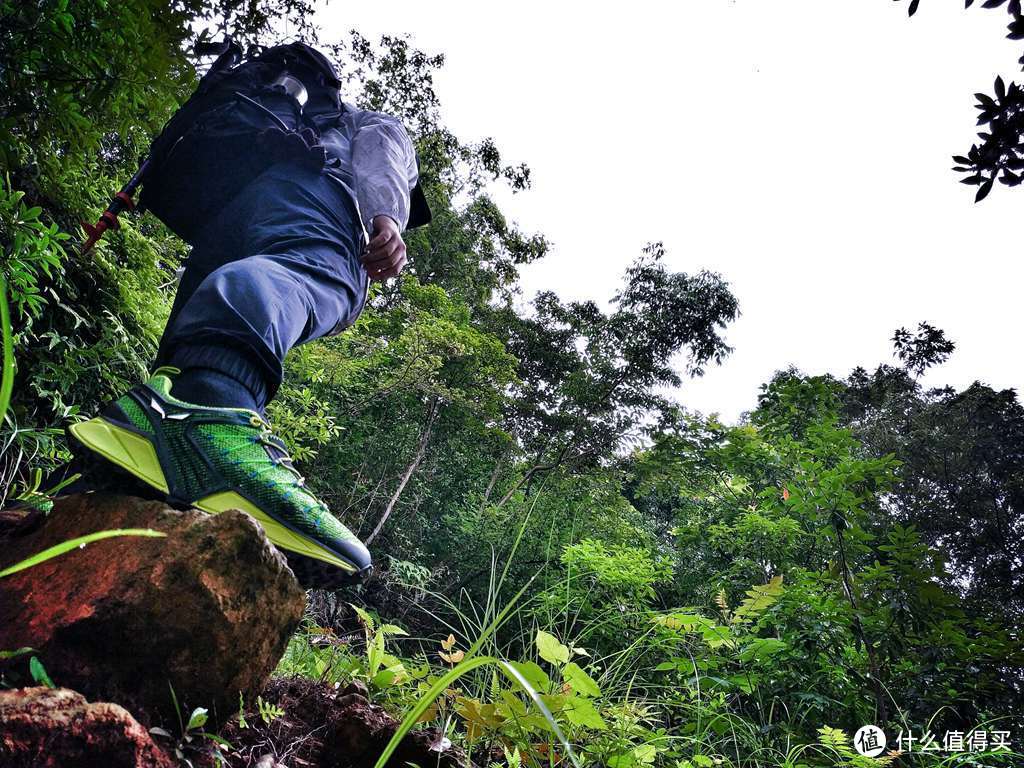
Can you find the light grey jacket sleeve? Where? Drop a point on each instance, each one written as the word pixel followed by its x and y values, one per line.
pixel 383 166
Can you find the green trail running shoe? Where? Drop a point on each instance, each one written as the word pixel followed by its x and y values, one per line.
pixel 217 459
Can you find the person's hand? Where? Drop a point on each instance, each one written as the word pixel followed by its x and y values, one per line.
pixel 385 256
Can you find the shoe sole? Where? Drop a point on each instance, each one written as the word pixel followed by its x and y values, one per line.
pixel 313 564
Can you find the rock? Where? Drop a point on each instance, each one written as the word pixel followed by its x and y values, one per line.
pixel 356 688
pixel 58 728
pixel 351 700
pixel 207 610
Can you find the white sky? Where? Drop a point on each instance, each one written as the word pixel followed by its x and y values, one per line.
pixel 799 147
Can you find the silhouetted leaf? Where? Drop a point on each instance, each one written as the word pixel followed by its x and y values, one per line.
pixel 913 7
pixel 1000 89
pixel 976 179
pixel 984 189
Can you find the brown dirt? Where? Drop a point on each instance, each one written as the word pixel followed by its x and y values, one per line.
pixel 328 728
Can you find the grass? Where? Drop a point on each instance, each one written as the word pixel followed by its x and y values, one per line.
pixel 81 541
pixel 442 683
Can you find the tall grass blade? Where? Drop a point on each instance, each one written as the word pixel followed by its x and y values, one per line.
pixel 498 620
pixel 450 677
pixel 494 592
pixel 7 381
pixel 67 546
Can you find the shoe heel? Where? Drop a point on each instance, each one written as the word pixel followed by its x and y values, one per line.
pixel 128 450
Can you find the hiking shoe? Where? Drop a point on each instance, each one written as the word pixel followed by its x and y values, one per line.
pixel 217 459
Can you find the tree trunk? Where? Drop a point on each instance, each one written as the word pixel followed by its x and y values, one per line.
pixel 531 473
pixel 421 450
pixel 493 479
pixel 874 670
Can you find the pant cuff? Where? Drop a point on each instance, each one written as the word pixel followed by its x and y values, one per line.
pixel 230 362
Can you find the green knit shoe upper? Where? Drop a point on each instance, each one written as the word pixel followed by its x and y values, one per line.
pixel 218 459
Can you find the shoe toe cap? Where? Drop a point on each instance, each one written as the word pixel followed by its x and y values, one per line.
pixel 355 552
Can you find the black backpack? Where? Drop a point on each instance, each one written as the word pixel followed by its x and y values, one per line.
pixel 242 119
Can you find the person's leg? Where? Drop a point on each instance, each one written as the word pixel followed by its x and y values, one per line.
pixel 246 315
pixel 218 243
pixel 294 276
pixel 298 278
pixel 208 386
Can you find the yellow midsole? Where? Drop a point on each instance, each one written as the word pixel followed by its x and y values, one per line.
pixel 137 455
pixel 283 537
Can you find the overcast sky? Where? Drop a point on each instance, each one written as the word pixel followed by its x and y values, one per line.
pixel 801 148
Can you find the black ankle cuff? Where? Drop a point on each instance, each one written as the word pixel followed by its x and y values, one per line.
pixel 221 361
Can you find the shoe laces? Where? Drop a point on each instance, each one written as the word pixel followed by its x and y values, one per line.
pixel 268 438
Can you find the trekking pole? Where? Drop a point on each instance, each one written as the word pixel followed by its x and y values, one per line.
pixel 119 203
pixel 228 54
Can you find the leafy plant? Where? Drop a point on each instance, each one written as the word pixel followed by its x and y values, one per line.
pixel 269 712
pixel 31 249
pixel 381 669
pixel 192 739
pixel 38 672
pixel 445 680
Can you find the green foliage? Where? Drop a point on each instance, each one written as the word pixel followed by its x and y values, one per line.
pixel 303 419
pixel 380 669
pixel 38 672
pixel 7 363
pixel 268 712
pixel 31 250
pixel 625 574
pixel 580 711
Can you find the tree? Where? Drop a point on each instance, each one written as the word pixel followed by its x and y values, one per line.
pixel 920 351
pixel 869 620
pixel 590 381
pixel 960 480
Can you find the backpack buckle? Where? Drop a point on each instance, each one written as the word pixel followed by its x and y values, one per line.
pixel 293 87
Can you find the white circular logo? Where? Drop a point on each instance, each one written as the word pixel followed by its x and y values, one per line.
pixel 869 740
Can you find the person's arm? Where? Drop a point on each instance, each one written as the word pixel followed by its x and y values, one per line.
pixel 384 167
